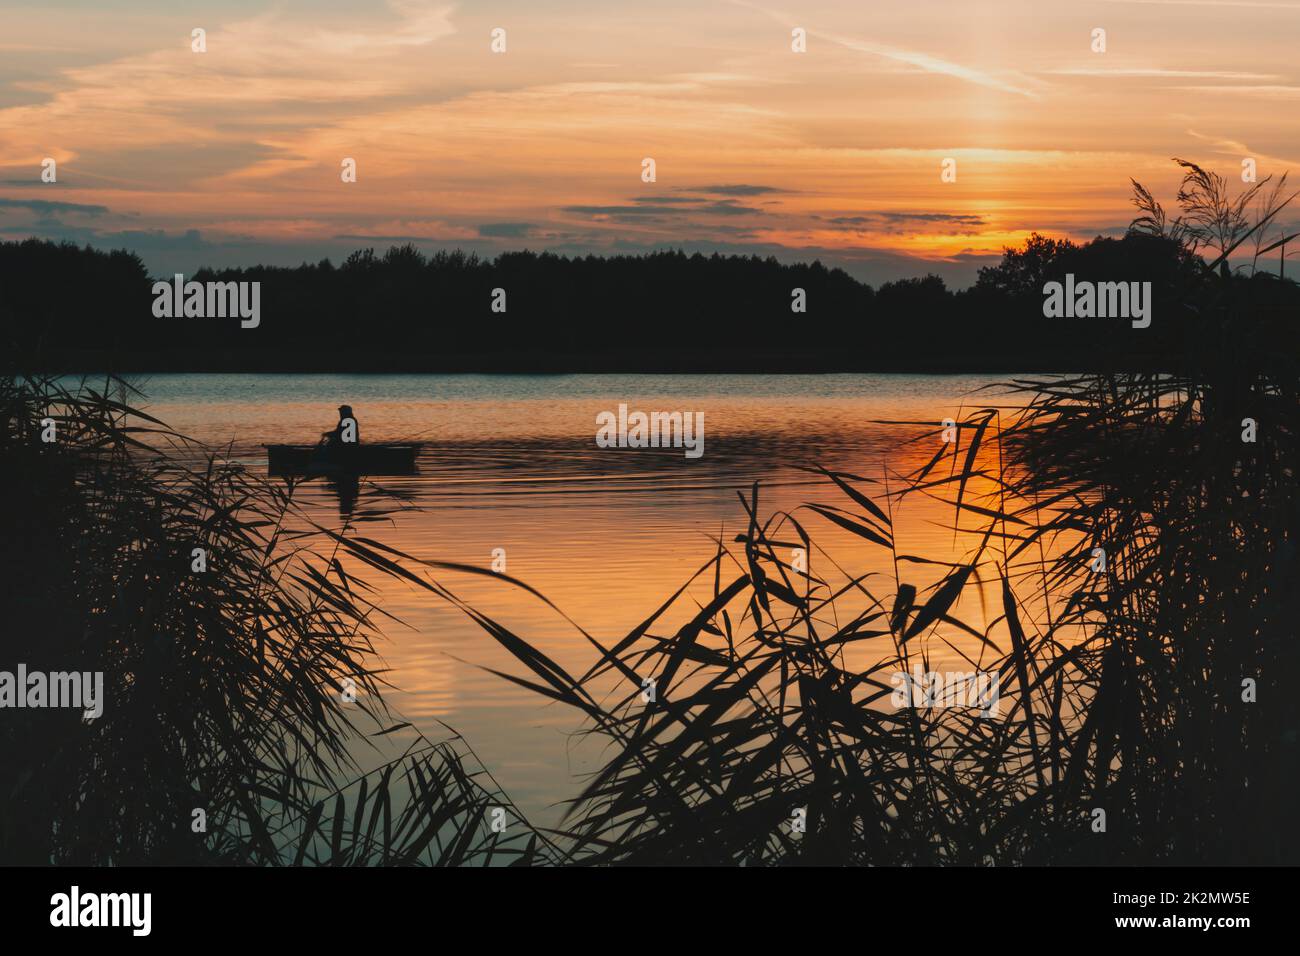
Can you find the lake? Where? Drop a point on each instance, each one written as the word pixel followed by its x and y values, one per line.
pixel 607 534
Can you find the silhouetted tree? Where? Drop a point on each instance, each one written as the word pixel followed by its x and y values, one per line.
pixel 67 307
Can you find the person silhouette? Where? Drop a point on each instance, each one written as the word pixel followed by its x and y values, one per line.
pixel 334 438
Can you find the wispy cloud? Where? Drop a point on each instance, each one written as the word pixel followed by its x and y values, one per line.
pixel 1262 92
pixel 1156 73
pixel 898 223
pixel 1239 150
pixel 46 207
pixel 267 62
pixel 739 189
pixel 922 61
pixel 927 63
pixel 1265 4
pixel 676 207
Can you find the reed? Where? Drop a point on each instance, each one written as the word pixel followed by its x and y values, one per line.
pixel 225 688
pixel 1122 683
pixel 1126 680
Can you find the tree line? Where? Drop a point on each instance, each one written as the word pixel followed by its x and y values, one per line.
pixel 65 307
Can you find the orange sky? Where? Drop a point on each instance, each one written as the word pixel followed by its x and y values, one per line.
pixel 233 155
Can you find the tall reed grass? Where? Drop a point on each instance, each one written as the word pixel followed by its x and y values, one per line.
pixel 241 691
pixel 1127 680
pixel 1123 684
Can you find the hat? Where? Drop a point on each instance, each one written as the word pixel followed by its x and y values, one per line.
pixel 345 411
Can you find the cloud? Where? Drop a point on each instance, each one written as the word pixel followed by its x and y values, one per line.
pixel 252 67
pixel 137 240
pixel 644 209
pixel 1268 4
pixel 156 239
pixel 506 230
pixel 739 189
pixel 46 207
pixel 377 237
pixel 656 200
pixel 922 61
pixel 927 63
pixel 892 222
pixel 419 24
pixel 641 209
pixel 1264 92
pixel 1159 73
pixel 964 220
pixel 1237 150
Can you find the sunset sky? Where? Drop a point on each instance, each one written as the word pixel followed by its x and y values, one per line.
pixel 233 156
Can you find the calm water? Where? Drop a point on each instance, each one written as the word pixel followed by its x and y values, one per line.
pixel 511 462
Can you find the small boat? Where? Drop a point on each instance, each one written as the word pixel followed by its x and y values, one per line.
pixel 310 460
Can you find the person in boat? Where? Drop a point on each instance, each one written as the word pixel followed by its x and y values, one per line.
pixel 333 440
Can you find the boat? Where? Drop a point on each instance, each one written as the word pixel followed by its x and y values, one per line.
pixel 310 460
